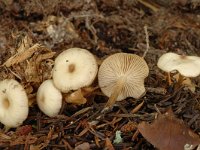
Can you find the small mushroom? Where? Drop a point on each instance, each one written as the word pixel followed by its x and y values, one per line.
pixel 187 66
pixel 122 75
pixel 49 98
pixel 13 103
pixel 74 68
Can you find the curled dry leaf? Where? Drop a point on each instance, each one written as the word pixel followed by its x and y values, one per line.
pixel 187 83
pixel 168 133
pixel 76 98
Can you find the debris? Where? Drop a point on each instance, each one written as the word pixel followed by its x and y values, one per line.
pixel 118 139
pixel 168 132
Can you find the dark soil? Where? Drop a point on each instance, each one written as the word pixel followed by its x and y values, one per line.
pixel 104 28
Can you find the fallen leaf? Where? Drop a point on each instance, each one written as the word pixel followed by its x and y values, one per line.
pixel 168 133
pixel 76 98
pixel 83 146
pixel 187 83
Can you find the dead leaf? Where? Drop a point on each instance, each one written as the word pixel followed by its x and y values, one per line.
pixel 76 98
pixel 187 83
pixel 83 146
pixel 168 133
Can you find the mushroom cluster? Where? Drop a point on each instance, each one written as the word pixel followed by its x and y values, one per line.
pixel 120 75
pixel 74 69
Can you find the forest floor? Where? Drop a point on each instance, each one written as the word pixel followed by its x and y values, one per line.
pixel 103 27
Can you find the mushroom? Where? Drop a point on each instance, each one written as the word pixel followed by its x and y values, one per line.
pixel 13 103
pixel 187 66
pixel 49 98
pixel 122 75
pixel 74 68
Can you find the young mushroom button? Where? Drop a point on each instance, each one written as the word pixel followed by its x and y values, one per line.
pixel 74 68
pixel 122 75
pixel 13 103
pixel 49 98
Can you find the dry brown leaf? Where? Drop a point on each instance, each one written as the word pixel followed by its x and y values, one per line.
pixel 168 133
pixel 187 83
pixel 76 98
pixel 83 146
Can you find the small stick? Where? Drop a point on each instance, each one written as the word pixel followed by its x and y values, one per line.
pixel 169 78
pixel 147 41
pixel 157 90
pixel 155 9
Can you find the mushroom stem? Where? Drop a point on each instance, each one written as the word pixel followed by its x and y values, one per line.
pixel 117 89
pixel 169 78
pixel 180 81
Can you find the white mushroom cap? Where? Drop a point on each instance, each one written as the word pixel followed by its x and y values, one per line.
pixel 129 68
pixel 49 98
pixel 13 103
pixel 74 68
pixel 188 66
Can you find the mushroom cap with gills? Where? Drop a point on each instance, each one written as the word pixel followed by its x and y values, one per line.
pixel 128 70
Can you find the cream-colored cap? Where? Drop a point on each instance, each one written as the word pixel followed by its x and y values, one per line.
pixel 74 68
pixel 49 98
pixel 188 66
pixel 13 103
pixel 131 68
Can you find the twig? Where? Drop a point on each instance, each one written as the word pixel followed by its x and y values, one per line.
pixel 157 90
pixel 155 9
pixel 147 41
